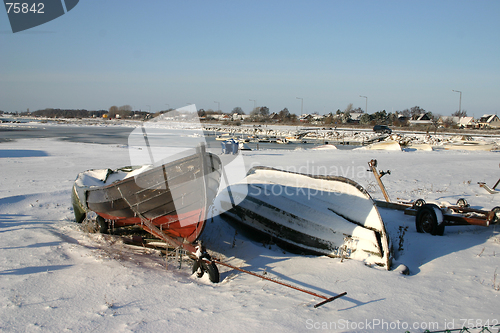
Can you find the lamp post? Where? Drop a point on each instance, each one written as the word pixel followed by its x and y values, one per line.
pixel 254 103
pixel 366 104
pixel 301 105
pixel 460 101
pixel 218 106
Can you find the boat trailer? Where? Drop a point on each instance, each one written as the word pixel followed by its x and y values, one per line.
pixel 205 263
pixel 431 218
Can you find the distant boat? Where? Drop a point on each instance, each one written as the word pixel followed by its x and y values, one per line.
pixel 293 139
pixel 324 215
pixel 469 145
pixel 383 145
pixel 223 137
pixel 243 146
pixel 325 147
pixel 418 146
pixel 174 196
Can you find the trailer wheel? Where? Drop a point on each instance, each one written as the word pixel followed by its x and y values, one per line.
pixel 200 267
pixel 496 217
pixel 102 225
pixel 418 203
pixel 429 220
pixel 462 203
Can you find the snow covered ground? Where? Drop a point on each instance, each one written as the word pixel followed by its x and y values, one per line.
pixel 55 278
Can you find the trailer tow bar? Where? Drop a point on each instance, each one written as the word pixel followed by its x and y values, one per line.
pixel 326 299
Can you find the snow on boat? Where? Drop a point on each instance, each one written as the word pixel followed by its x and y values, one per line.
pixel 224 137
pixel 469 145
pixel 325 215
pixel 325 147
pixel 293 139
pixel 174 196
pixel 418 147
pixel 243 146
pixel 383 145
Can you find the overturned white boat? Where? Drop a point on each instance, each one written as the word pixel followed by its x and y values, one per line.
pixel 470 145
pixel 383 145
pixel 325 215
pixel 325 147
pixel 418 147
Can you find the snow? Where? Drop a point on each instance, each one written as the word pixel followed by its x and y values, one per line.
pixel 54 277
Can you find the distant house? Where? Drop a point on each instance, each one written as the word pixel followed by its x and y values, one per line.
pixel 306 118
pixel 461 122
pixel 421 119
pixel 318 117
pixel 242 117
pixel 466 122
pixel 355 116
pixel 274 117
pixel 489 121
pixel 236 116
pixel 220 117
pixel 402 118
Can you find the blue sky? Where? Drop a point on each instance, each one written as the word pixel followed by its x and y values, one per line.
pixel 159 54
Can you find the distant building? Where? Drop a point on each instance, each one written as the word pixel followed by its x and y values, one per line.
pixel 305 118
pixel 355 116
pixel 219 117
pixel 402 118
pixel 318 117
pixel 489 121
pixel 421 119
pixel 313 118
pixel 274 117
pixel 460 122
pixel 466 122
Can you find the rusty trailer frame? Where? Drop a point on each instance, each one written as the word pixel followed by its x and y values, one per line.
pixel 199 254
pixel 455 215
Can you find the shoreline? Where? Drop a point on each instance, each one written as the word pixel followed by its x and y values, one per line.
pixel 94 130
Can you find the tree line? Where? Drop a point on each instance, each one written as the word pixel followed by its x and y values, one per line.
pixel 124 111
pixel 349 115
pixel 64 113
pixel 260 114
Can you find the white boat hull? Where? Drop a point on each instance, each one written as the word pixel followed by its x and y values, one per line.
pixel 384 145
pixel 332 216
pixel 470 145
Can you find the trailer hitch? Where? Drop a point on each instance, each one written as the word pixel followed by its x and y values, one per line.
pixel 373 164
pixel 373 168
